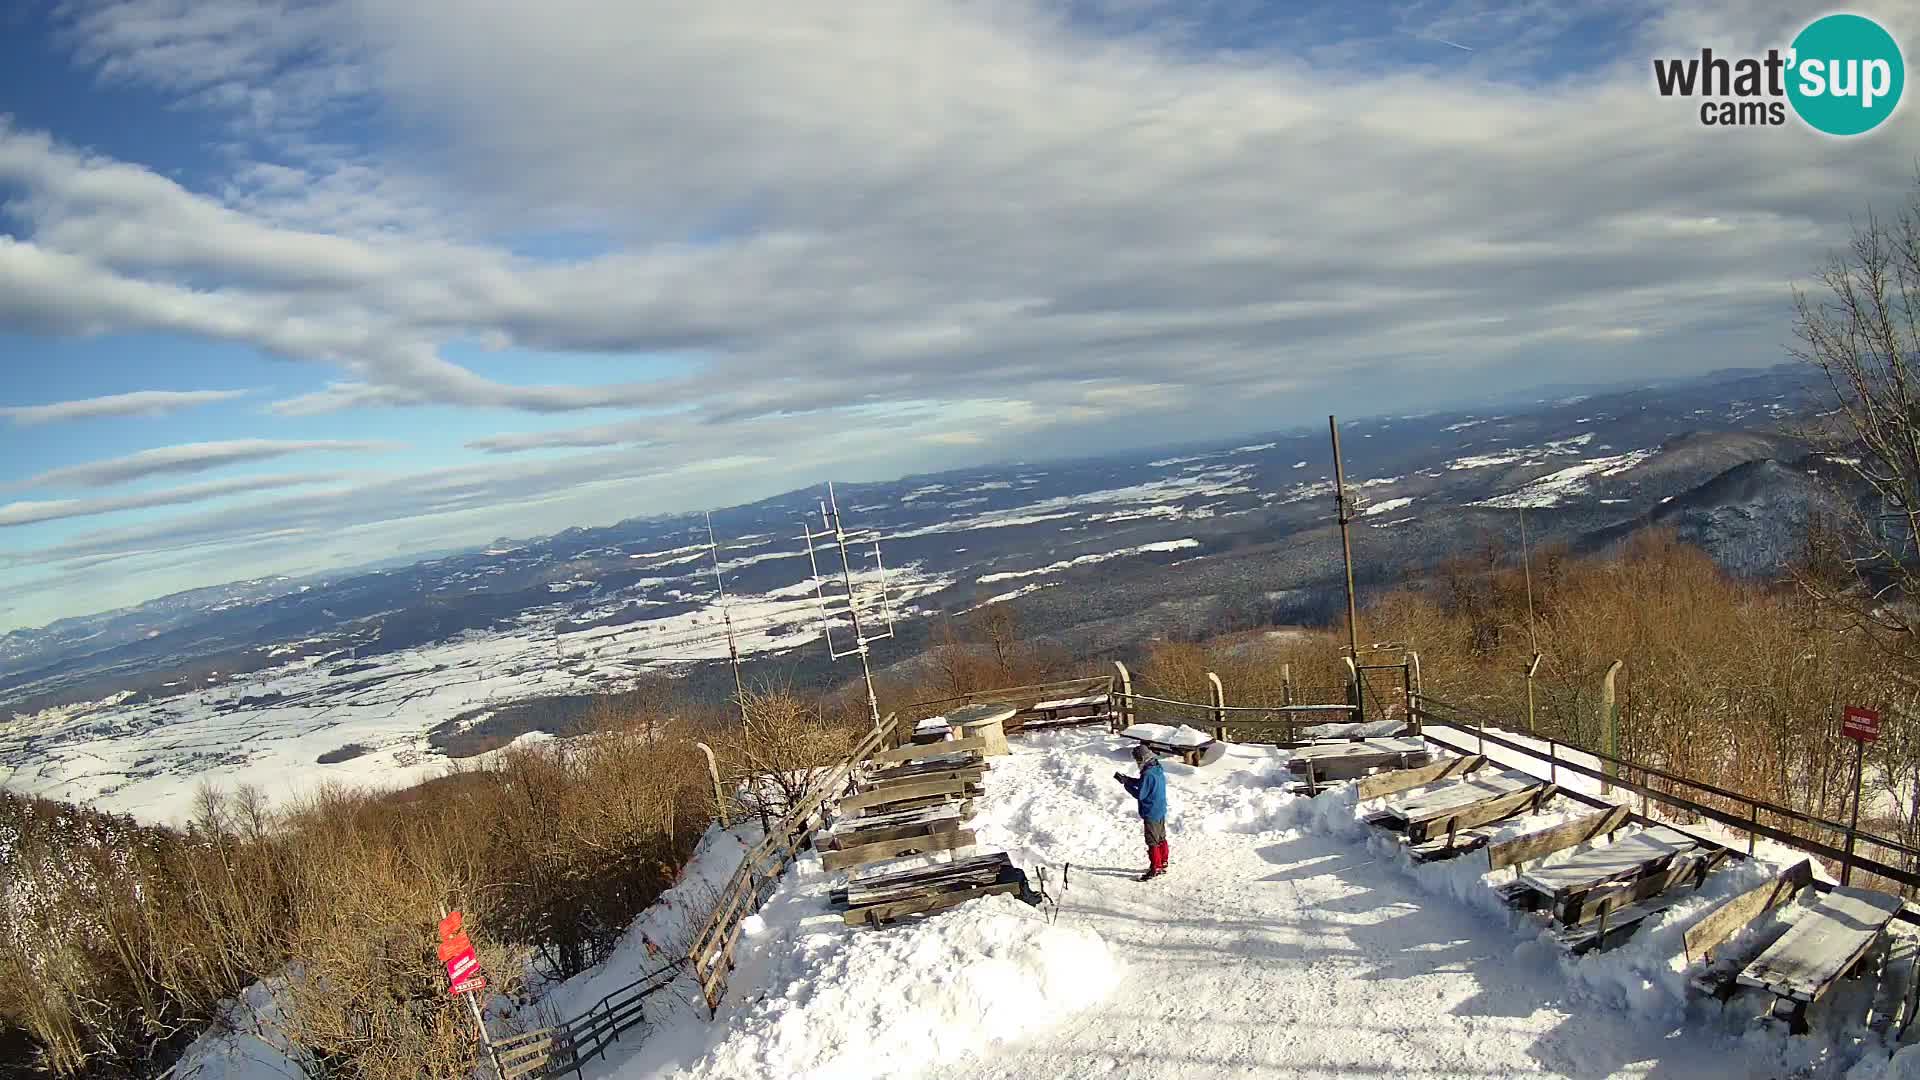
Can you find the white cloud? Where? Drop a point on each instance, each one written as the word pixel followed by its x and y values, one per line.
pixel 195 457
pixel 992 212
pixel 132 403
pixel 35 512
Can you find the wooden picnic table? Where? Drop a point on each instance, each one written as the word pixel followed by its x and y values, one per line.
pixel 1080 709
pixel 1822 945
pixel 986 723
pixel 1351 760
pixel 1192 746
pixel 1443 799
pixel 1629 856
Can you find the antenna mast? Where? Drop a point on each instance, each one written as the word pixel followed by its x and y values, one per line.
pixel 1343 509
pixel 726 615
pixel 832 526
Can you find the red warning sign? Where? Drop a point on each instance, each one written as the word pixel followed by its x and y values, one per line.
pixel 456 951
pixel 1861 725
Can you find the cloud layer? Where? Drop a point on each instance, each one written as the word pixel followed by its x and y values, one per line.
pixel 890 228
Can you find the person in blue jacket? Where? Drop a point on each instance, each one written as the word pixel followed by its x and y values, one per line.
pixel 1150 790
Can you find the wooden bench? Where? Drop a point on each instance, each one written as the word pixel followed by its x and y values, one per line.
pixel 1826 942
pixel 880 899
pixel 1064 712
pixel 909 795
pixel 1608 915
pixel 1720 973
pixel 1479 798
pixel 1324 762
pixel 1564 887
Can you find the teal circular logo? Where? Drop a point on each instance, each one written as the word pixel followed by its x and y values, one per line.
pixel 1846 74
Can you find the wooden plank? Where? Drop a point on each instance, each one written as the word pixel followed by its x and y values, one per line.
pixel 1625 857
pixel 901 792
pixel 889 783
pixel 1822 944
pixel 1733 916
pixel 931 766
pixel 915 753
pixel 1484 812
pixel 1618 924
pixel 876 914
pixel 1690 866
pixel 920 873
pixel 847 858
pixel 1447 847
pixel 1446 799
pixel 880 834
pixel 1559 838
pixel 905 803
pixel 1384 749
pixel 852 838
pixel 1388 783
pixel 983 875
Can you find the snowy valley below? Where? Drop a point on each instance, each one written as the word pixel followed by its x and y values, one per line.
pixel 386 676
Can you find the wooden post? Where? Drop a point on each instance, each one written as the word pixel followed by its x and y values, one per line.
pixel 1286 684
pixel 1609 723
pixel 1853 828
pixel 713 773
pixel 1413 692
pixel 1123 706
pixel 1219 707
pixel 1353 691
pixel 1553 761
pixel 1753 834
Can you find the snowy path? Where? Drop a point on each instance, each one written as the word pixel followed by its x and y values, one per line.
pixel 1297 953
pixel 1288 941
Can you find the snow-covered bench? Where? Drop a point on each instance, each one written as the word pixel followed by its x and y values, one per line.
pixel 1820 947
pixel 1191 745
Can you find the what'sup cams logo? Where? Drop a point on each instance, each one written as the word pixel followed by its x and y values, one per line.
pixel 1842 75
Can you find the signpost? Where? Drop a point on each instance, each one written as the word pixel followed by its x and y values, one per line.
pixel 1862 726
pixel 463 973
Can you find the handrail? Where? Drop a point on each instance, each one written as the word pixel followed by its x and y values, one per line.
pixel 1751 824
pixel 1699 785
pixel 1206 707
pixel 762 865
pixel 1012 691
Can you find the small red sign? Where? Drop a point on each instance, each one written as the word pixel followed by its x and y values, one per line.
pixel 1862 725
pixel 456 951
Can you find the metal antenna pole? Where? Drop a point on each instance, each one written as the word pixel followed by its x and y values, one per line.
pixel 1344 510
pixel 726 615
pixel 1533 638
pixel 853 605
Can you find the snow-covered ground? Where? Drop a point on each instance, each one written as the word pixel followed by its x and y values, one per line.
pixel 1289 940
pixel 312 720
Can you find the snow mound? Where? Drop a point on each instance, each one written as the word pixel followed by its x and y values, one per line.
pixel 1168 734
pixel 849 1005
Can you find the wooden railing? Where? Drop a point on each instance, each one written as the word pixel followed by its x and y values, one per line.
pixel 1755 817
pixel 568 1046
pixel 712 951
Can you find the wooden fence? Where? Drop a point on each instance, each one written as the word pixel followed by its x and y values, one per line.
pixel 712 951
pixel 1831 840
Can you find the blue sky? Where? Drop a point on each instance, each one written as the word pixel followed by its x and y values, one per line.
pixel 287 286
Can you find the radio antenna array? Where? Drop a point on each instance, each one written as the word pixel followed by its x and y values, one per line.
pixel 833 527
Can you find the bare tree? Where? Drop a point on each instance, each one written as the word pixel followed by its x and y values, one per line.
pixel 1860 329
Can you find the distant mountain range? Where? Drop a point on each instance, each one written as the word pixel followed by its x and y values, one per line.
pixel 1097 554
